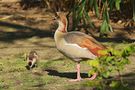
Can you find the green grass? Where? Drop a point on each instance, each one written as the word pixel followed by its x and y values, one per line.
pixel 14 75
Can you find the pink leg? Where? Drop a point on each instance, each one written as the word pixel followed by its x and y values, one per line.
pixel 78 73
pixel 93 77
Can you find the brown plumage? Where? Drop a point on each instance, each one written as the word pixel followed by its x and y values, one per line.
pixel 76 45
pixel 84 41
pixel 32 59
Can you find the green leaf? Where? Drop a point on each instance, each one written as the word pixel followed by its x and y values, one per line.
pixel 91 3
pixel 125 61
pixel 106 74
pixel 110 58
pixel 103 52
pixel 104 27
pixel 108 64
pixel 94 63
pixel 114 84
pixel 89 19
pixel 117 4
pixel 110 28
pixel 117 53
pixel 103 1
pixel 91 72
pixel 107 15
pixel 111 4
pixel 96 8
pixel 128 51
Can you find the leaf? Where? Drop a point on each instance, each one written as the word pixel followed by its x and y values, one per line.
pixel 91 72
pixel 108 64
pixel 106 74
pixel 103 1
pixel 117 52
pixel 125 61
pixel 91 3
pixel 110 28
pixel 109 58
pixel 114 84
pixel 89 20
pixel 104 27
pixel 128 50
pixel 117 4
pixel 103 52
pixel 107 15
pixel 96 8
pixel 94 63
pixel 111 4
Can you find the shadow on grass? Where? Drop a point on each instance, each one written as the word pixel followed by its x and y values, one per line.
pixel 22 32
pixel 70 75
pixel 118 38
pixel 39 85
pixel 129 78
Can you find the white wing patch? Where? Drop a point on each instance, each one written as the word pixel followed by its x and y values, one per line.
pixel 75 51
pixel 75 45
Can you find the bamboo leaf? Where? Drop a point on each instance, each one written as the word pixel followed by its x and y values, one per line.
pixel 89 19
pixel 110 28
pixel 91 3
pixel 111 4
pixel 117 4
pixel 103 1
pixel 107 15
pixel 104 26
pixel 96 8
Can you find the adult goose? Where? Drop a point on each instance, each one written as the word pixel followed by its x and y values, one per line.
pixel 76 45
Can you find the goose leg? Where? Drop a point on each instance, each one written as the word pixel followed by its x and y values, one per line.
pixel 93 77
pixel 78 73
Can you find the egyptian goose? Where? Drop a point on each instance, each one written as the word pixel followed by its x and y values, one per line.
pixel 32 59
pixel 75 45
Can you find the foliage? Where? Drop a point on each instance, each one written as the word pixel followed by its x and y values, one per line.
pixel 115 61
pixel 105 66
pixel 80 14
pixel 84 6
pixel 80 9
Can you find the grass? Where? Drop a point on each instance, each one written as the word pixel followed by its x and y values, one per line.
pixel 49 75
pixel 14 76
pixel 53 71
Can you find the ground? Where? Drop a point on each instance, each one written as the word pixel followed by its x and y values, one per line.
pixel 25 30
